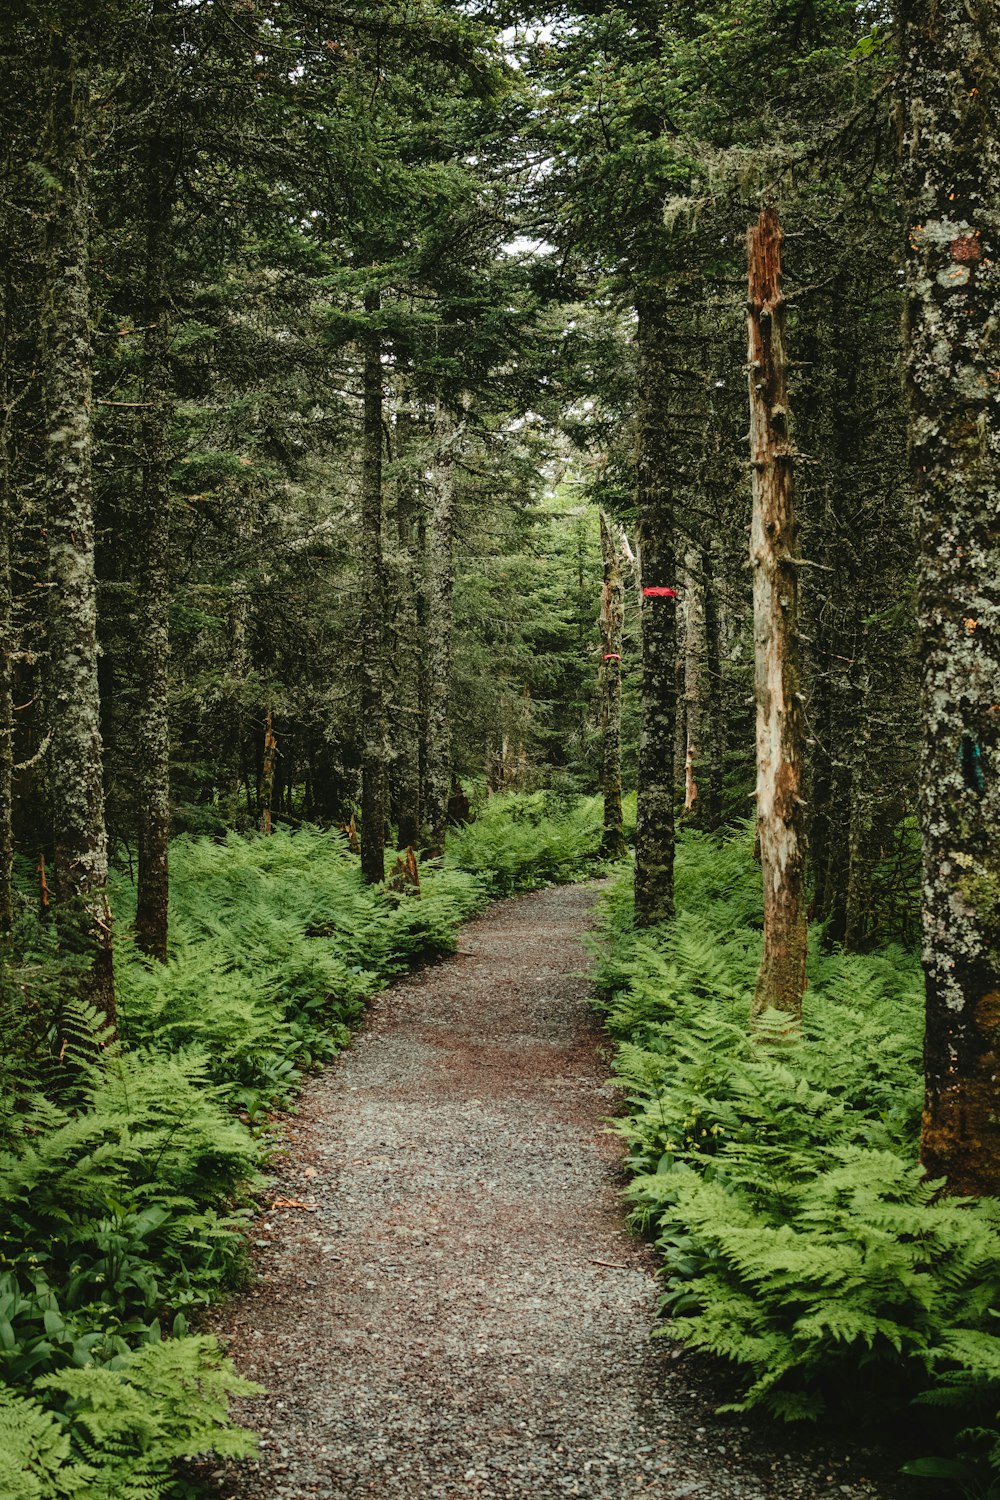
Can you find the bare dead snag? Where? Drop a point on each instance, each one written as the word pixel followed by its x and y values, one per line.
pixel 781 981
pixel 405 874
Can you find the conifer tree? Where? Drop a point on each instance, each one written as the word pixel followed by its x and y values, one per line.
pixel 951 168
pixel 75 761
pixel 440 630
pixel 612 642
pixel 373 604
pixel 153 531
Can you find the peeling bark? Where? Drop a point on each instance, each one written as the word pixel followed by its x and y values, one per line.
pixel 781 981
pixel 372 726
pixel 613 845
pixel 654 839
pixel 76 787
pixel 951 167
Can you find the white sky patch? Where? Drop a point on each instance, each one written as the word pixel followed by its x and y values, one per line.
pixel 523 244
pixel 513 38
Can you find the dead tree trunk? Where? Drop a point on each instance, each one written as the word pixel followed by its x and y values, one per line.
pixel 372 726
pixel 951 166
pixel 75 778
pixel 781 981
pixel 612 626
pixel 654 839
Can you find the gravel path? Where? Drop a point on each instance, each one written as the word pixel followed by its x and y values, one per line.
pixel 459 1311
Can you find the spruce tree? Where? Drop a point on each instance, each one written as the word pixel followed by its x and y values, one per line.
pixel 951 168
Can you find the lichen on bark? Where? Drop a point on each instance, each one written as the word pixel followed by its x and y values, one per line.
pixel 153 602
pixel 612 626
pixel 440 611
pixel 654 838
pixel 950 157
pixel 75 756
pixel 372 725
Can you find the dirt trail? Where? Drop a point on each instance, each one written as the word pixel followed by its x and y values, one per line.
pixel 462 1312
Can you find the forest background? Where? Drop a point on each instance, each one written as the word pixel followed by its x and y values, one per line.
pixel 374 391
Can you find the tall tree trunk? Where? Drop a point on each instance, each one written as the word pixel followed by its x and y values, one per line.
pixel 857 901
pixel 713 724
pixel 654 838
pixel 153 612
pixel 612 629
pixel 781 981
pixel 75 780
pixel 695 680
pixel 406 658
pixel 6 641
pixel 440 589
pixel 951 164
pixel 269 766
pixel 372 728
pixel 680 702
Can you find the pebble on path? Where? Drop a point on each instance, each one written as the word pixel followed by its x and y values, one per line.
pixel 459 1311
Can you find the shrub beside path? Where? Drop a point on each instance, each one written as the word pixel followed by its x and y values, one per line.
pixel 447 1302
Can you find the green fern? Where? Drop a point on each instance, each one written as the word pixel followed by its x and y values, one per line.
pixel 799 1238
pixel 126 1164
pixel 36 1453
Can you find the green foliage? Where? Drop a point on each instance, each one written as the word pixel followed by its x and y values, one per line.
pixel 521 841
pixel 115 1433
pixel 779 1176
pixel 275 944
pixel 126 1164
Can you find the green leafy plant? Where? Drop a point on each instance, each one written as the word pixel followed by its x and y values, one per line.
pixel 115 1433
pixel 779 1179
pixel 521 841
pixel 127 1165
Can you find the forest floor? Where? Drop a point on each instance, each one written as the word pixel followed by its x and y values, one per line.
pixel 446 1300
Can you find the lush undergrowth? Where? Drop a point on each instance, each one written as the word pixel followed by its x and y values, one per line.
pixel 780 1179
pixel 127 1167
